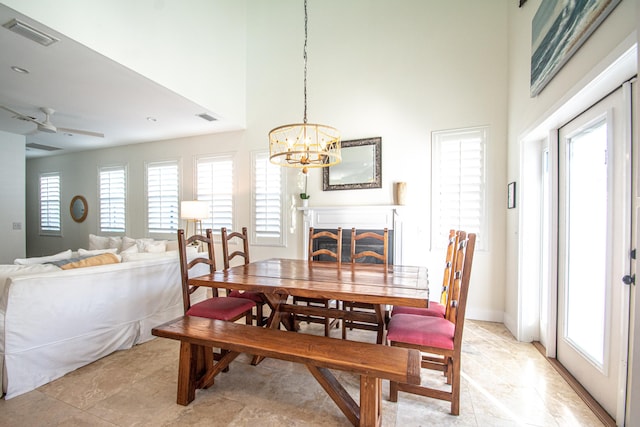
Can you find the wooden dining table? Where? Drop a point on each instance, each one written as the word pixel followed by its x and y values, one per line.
pixel 278 279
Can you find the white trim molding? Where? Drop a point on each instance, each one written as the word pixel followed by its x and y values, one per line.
pixel 364 217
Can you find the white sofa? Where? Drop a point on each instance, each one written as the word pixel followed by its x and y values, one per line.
pixel 53 321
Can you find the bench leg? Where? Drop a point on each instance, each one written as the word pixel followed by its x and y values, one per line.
pixel 393 391
pixel 370 401
pixel 196 369
pixel 337 393
pixel 190 368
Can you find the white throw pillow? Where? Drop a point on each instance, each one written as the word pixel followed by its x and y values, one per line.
pixel 127 242
pixel 142 242
pixel 155 246
pixel 41 260
pixel 115 243
pixel 133 249
pixel 85 252
pixel 98 242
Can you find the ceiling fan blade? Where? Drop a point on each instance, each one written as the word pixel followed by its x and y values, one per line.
pixel 20 115
pixel 81 132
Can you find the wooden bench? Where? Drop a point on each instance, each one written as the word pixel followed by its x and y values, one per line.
pixel 371 361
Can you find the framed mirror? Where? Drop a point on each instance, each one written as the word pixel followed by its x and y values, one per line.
pixel 79 208
pixel 361 166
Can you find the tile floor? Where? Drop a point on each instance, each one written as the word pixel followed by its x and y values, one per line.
pixel 504 383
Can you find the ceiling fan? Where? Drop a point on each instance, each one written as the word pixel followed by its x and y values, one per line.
pixel 47 126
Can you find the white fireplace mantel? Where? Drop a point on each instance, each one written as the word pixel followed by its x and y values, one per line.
pixel 368 217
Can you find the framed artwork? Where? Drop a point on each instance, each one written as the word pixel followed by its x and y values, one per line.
pixel 361 166
pixel 511 195
pixel 558 30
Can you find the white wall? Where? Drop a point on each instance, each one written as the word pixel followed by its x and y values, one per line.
pixel 12 197
pixel 399 70
pixel 395 69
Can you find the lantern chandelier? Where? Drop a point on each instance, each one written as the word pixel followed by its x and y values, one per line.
pixel 304 145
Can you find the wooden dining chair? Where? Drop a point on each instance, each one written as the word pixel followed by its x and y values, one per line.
pixel 439 339
pixel 437 308
pixel 217 307
pixel 227 256
pixel 370 257
pixel 321 255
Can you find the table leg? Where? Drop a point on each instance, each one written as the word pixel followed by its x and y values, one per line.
pixel 380 316
pixel 275 301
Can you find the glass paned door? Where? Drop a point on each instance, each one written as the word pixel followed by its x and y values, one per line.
pixel 586 240
pixel 594 198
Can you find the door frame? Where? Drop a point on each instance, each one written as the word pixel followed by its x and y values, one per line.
pixel 610 73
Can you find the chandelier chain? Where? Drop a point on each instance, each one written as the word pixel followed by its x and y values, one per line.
pixel 305 60
pixel 304 145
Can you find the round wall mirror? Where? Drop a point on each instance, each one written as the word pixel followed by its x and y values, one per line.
pixel 78 208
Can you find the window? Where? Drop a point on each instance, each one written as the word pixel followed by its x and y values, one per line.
pixel 458 184
pixel 162 197
pixel 215 185
pixel 267 201
pixel 50 204
pixel 112 193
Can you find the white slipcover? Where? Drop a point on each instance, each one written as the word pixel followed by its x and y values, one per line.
pixel 54 322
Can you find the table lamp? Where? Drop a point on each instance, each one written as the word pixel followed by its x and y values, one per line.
pixel 194 211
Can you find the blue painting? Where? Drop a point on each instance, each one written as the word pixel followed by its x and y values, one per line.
pixel 558 30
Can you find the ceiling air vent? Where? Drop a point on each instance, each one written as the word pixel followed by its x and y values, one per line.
pixel 207 117
pixel 34 146
pixel 29 32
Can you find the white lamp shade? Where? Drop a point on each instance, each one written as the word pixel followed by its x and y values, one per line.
pixel 194 209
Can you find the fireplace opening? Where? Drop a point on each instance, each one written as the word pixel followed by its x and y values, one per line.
pixel 366 244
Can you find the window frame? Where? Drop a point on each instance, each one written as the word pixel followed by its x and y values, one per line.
pixel 209 196
pixel 160 233
pixel 125 171
pixel 49 232
pixel 440 231
pixel 255 237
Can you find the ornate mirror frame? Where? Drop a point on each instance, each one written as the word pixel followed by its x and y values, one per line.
pixel 78 208
pixel 361 166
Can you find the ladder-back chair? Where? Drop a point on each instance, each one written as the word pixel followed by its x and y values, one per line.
pixel 367 256
pixel 439 339
pixel 227 256
pixel 335 257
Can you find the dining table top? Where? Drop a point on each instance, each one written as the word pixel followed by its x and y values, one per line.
pixel 368 283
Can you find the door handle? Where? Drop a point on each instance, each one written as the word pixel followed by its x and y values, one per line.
pixel 629 279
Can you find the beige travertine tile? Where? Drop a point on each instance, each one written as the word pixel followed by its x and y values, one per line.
pixel 504 383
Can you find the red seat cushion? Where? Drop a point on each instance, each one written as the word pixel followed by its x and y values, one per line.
pixel 421 330
pixel 435 309
pixel 253 296
pixel 221 308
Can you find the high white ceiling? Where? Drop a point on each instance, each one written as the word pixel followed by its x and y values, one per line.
pixel 88 92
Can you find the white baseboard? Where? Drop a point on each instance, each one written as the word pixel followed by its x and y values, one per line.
pixel 485 315
pixel 494 316
pixel 511 324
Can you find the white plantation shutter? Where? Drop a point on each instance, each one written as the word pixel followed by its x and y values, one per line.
pixel 458 184
pixel 113 190
pixel 50 204
pixel 162 197
pixel 267 203
pixel 215 185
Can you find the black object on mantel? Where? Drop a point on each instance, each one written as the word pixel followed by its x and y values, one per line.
pixel 371 244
